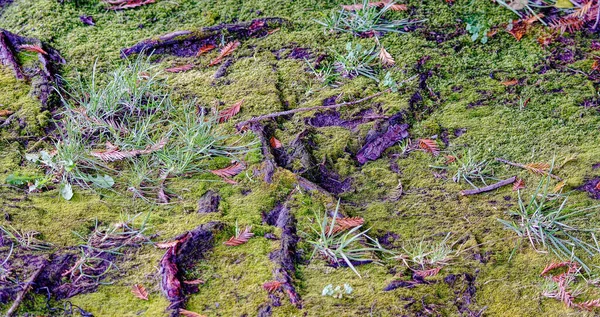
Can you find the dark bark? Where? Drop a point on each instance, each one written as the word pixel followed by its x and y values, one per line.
pixel 187 43
pixel 7 57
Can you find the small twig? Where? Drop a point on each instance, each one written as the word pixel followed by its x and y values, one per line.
pixel 293 111
pixel 8 120
pixel 489 187
pixel 26 289
pixel 523 166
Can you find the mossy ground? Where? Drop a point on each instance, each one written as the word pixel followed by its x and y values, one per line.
pixel 469 95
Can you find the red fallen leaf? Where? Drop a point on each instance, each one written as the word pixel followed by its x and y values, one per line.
pixel 32 48
pixel 188 313
pixel 179 69
pixel 194 282
pixel 597 187
pixel 342 224
pixel 491 32
pixel 519 184
pixel 242 238
pixel 275 143
pixel 449 159
pixel 519 28
pixel 139 291
pixel 430 146
pixel 532 19
pixel 427 273
pixel 273 31
pixel 272 286
pixel 112 153
pixel 228 113
pixel 226 50
pixel 205 48
pixel 511 82
pixel 572 267
pixel 230 171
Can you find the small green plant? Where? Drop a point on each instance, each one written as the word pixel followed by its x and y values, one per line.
pixel 343 247
pixel 477 28
pixel 365 20
pixel 550 225
pixel 468 169
pixel 356 61
pixel 337 292
pixel 424 255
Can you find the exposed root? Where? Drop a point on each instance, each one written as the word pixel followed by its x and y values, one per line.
pixel 183 253
pixel 285 257
pixel 188 43
pixel 42 74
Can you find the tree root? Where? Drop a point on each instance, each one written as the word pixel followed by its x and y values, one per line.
pixel 188 43
pixel 26 288
pixel 41 74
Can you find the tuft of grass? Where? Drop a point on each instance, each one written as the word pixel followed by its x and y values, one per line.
pixel 25 239
pixel 469 169
pixel 130 115
pixel 344 247
pixel 366 20
pixel 427 254
pixel 550 225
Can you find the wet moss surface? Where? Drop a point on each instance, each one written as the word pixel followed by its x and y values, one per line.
pixel 463 104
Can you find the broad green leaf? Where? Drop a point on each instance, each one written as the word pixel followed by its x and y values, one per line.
pixel 102 181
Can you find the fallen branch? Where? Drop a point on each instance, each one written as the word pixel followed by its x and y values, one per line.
pixel 293 111
pixel 523 166
pixel 489 187
pixel 26 288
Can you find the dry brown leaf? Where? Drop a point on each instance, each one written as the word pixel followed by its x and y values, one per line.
pixel 565 24
pixel 6 113
pixel 427 273
pixel 538 167
pixel 225 51
pixel 519 28
pixel 590 304
pixel 511 82
pixel 242 238
pixel 533 18
pixel 272 286
pixel 32 48
pixel 179 69
pixel 139 291
pixel 205 48
pixel 228 113
pixel 230 171
pixel 112 153
pixel 385 58
pixel 398 7
pixel 166 245
pixel 449 159
pixel 273 31
pixel 559 186
pixel 188 313
pixel 275 143
pixel 572 267
pixel 429 146
pixel 342 224
pixel 519 184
